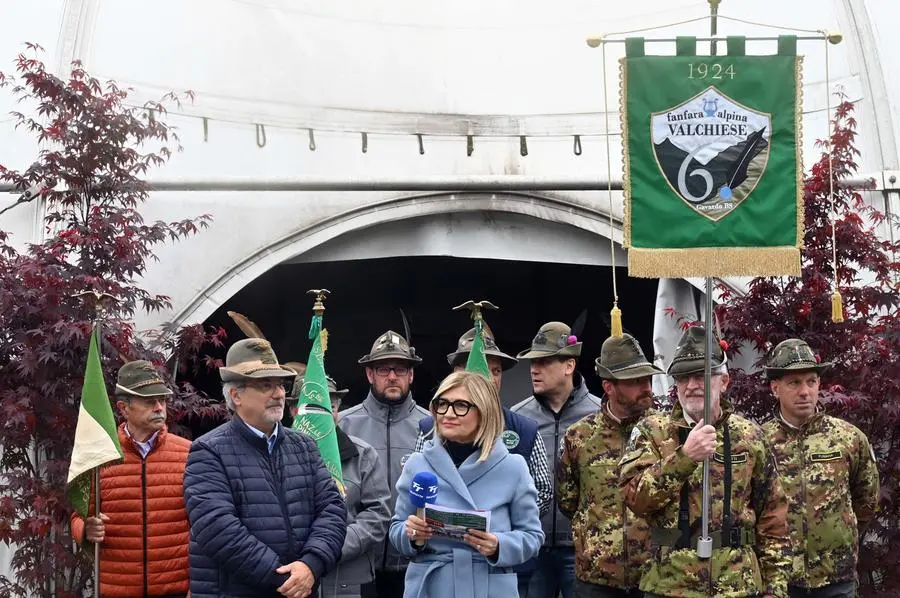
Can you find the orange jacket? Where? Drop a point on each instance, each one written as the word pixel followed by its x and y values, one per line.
pixel 145 552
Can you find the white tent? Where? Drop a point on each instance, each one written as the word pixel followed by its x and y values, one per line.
pixel 496 71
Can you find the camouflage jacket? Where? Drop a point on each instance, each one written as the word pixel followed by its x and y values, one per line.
pixel 611 544
pixel 828 469
pixel 652 473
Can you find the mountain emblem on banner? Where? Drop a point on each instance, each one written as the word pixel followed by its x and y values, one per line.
pixel 712 151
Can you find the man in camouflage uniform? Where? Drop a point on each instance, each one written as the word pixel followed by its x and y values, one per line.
pixel 611 544
pixel 661 475
pixel 827 468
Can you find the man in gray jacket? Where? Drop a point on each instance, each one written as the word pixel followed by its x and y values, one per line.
pixel 368 511
pixel 560 399
pixel 388 420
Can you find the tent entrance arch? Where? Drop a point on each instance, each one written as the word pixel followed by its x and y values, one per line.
pixel 535 268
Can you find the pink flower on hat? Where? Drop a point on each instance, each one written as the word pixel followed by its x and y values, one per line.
pixel 572 339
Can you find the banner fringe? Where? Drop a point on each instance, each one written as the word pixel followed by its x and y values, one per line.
pixel 714 261
pixel 798 128
pixel 626 165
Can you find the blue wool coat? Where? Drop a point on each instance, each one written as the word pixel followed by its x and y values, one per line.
pixel 252 512
pixel 451 569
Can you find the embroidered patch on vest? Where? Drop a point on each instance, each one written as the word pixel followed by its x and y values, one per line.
pixel 404 459
pixel 736 459
pixel 510 439
pixel 819 457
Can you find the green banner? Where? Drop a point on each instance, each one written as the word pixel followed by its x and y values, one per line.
pixel 314 417
pixel 477 361
pixel 712 158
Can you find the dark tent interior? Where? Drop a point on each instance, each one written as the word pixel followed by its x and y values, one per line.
pixel 367 297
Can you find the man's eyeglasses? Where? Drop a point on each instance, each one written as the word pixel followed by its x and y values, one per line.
pixel 271 386
pixel 460 408
pixel 385 370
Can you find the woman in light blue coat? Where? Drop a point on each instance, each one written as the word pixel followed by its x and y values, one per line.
pixel 474 471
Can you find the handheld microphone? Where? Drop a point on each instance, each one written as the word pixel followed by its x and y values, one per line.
pixel 423 490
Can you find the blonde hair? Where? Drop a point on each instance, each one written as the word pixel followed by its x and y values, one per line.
pixel 483 394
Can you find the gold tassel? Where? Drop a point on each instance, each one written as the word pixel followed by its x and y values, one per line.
pixel 837 307
pixel 324 337
pixel 616 323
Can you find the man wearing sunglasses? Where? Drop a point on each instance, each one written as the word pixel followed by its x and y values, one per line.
pixel 388 419
pixel 266 516
pixel 142 528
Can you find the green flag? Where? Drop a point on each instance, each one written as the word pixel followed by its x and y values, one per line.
pixel 477 361
pixel 712 161
pixel 314 417
pixel 96 437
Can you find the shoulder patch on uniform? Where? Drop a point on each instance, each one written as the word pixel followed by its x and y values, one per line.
pixel 829 456
pixel 510 439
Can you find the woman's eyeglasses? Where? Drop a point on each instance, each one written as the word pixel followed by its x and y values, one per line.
pixel 460 408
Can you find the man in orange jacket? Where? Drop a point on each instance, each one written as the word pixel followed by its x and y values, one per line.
pixel 142 528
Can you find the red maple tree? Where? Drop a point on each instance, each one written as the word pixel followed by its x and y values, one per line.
pixel 863 387
pixel 89 174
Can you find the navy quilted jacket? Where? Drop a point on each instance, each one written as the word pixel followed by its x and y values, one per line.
pixel 252 512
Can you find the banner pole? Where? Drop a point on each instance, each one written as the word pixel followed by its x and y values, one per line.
pixel 98 324
pixel 96 483
pixel 97 302
pixel 704 543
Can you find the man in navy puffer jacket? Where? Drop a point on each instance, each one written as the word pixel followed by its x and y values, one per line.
pixel 266 517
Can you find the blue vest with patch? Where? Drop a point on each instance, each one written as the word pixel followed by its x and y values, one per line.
pixel 519 432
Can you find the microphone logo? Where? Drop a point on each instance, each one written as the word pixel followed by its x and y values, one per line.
pixel 423 489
